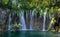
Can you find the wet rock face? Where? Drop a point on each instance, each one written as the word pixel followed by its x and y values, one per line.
pixel 3 19
pixel 2 16
pixel 38 23
pixel 27 20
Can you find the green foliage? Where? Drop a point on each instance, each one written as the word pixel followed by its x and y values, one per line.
pixel 35 5
pixel 35 11
pixel 28 4
pixel 53 10
pixel 16 25
pixel 45 3
pixel 14 5
pixel 0 1
pixel 18 12
pixel 41 12
pixel 5 1
pixel 13 12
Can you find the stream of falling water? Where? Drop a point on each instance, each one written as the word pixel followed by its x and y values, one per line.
pixel 31 19
pixel 44 20
pixel 9 21
pixel 22 20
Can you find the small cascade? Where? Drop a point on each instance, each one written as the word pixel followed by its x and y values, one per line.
pixel 9 21
pixel 22 20
pixel 31 19
pixel 44 20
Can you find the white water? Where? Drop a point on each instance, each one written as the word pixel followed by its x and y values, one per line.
pixel 44 20
pixel 9 21
pixel 22 20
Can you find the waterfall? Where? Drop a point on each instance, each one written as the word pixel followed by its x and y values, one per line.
pixel 44 20
pixel 22 20
pixel 9 21
pixel 31 19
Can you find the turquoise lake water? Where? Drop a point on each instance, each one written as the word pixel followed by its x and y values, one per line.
pixel 29 34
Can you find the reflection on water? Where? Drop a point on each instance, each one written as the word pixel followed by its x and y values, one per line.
pixel 29 34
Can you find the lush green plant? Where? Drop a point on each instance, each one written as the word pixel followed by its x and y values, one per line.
pixel 36 5
pixel 16 25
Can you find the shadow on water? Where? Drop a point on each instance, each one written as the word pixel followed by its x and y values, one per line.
pixel 29 34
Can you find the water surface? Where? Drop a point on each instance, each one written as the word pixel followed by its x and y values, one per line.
pixel 29 34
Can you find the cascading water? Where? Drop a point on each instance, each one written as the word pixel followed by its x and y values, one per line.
pixel 31 19
pixel 9 21
pixel 44 20
pixel 22 20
